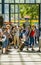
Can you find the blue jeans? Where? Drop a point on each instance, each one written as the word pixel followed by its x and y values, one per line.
pixel 26 42
pixel 5 43
pixel 31 41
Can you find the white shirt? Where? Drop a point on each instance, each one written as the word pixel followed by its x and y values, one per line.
pixel 4 38
pixel 0 30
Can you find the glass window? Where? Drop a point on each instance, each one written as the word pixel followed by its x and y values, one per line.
pixel 16 18
pixel 16 1
pixel 12 8
pixel 38 1
pixel 11 1
pixel 12 17
pixel 27 1
pixel 0 8
pixel 30 1
pixel 6 8
pixel 0 1
pixel 21 1
pixel 6 1
pixel 6 17
pixel 16 9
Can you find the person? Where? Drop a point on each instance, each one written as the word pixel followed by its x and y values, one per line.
pixel 3 41
pixel 0 37
pixel 37 35
pixel 12 33
pixel 32 35
pixel 28 36
pixel 24 39
pixel 16 36
pixel 8 35
pixel 39 44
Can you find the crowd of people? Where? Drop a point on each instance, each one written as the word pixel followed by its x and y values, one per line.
pixel 18 36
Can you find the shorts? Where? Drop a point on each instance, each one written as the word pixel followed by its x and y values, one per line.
pixel 31 41
pixel 5 43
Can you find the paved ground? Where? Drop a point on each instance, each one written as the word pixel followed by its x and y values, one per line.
pixel 21 58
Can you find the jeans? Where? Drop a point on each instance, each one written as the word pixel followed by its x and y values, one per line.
pixel 5 43
pixel 31 41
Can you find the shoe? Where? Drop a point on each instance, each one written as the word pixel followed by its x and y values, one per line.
pixel 19 50
pixel 14 47
pixel 38 51
pixel 27 49
pixel 8 51
pixel 33 50
pixel 5 53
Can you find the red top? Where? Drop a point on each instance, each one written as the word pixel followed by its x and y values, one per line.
pixel 32 33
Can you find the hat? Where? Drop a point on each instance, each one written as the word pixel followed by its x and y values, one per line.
pixel 7 25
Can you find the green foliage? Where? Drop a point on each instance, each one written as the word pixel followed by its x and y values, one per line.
pixel 31 10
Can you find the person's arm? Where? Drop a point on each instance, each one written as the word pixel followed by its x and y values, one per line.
pixel 0 39
pixel 3 39
pixel 34 33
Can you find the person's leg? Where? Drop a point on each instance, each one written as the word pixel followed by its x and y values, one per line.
pixel 39 44
pixel 21 46
pixel 15 41
pixel 39 49
pixel 0 45
pixel 26 44
pixel 10 42
pixel 7 44
pixel 4 47
pixel 18 41
pixel 32 43
pixel 32 47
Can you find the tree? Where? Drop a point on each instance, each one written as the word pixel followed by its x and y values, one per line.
pixel 31 10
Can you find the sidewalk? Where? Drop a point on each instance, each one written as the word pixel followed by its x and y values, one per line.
pixel 21 58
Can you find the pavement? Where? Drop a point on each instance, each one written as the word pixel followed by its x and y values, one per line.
pixel 21 58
